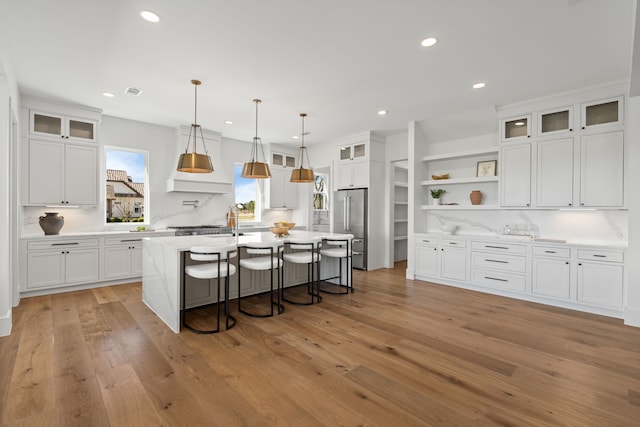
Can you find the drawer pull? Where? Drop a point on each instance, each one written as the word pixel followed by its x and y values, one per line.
pixel 423 241
pixel 495 278
pixel 599 256
pixel 131 240
pixel 497 260
pixel 452 243
pixel 549 252
pixel 64 244
pixel 495 247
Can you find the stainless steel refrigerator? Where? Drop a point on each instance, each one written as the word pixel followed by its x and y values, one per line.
pixel 350 213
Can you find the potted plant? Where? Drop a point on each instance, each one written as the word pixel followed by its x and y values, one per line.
pixel 436 193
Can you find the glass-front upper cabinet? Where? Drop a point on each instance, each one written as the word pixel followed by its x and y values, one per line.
pixel 283 160
pixel 555 121
pixel 353 152
pixel 54 125
pixel 604 112
pixel 516 128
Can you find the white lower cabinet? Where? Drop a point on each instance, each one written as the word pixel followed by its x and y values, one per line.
pixel 579 277
pixel 551 272
pixel 122 257
pixel 426 257
pixel 52 264
pixel 453 259
pixel 600 278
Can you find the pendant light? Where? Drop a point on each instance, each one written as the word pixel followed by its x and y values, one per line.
pixel 302 174
pixel 254 168
pixel 194 162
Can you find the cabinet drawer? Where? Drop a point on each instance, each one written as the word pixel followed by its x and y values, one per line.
pixel 549 251
pixel 35 245
pixel 426 241
pixel 500 280
pixel 123 240
pixel 453 243
pixel 499 261
pixel 499 247
pixel 595 255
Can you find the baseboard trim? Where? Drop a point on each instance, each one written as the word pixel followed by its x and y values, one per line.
pixel 5 324
pixel 410 274
pixel 632 317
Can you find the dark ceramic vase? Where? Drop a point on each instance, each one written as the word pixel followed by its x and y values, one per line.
pixel 51 223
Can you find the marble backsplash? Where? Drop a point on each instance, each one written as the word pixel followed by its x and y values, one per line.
pixel 579 225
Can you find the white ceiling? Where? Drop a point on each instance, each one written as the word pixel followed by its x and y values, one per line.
pixel 340 61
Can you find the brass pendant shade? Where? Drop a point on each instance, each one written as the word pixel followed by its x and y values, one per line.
pixel 194 162
pixel 255 168
pixel 302 174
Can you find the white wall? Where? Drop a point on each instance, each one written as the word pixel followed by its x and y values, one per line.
pixel 396 148
pixel 8 186
pixel 632 312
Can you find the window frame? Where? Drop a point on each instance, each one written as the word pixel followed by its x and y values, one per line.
pixel 257 213
pixel 145 206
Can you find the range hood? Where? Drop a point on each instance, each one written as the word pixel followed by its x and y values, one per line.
pixel 218 182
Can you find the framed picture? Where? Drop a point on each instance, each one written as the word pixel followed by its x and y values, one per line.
pixel 487 168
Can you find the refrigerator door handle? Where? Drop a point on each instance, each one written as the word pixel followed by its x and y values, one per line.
pixel 347 213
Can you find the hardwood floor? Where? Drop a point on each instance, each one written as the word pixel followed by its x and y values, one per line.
pixel 394 353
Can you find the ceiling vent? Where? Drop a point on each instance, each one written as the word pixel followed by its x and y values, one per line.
pixel 132 91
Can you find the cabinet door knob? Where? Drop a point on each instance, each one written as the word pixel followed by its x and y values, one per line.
pixel 583 127
pixel 567 263
pixel 570 130
pixel 570 204
pixel 580 263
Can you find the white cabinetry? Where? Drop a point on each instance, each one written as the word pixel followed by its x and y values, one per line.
pixel 353 174
pixel 555 173
pixel 62 173
pixel 453 259
pixel 59 154
pixel 282 193
pixel 426 256
pixel 57 263
pixel 602 170
pixel 515 183
pixel 584 171
pixel 551 272
pixel 122 257
pixel 62 127
pixel 600 278
pixel 441 258
pixel 499 265
pixel 602 113
pixel 353 152
pixel 283 160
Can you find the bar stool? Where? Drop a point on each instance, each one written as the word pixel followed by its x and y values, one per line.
pixel 219 268
pixel 268 259
pixel 340 248
pixel 304 250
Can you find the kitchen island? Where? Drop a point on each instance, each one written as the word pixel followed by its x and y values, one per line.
pixel 163 264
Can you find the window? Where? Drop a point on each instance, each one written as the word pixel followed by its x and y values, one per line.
pixel 126 185
pixel 247 197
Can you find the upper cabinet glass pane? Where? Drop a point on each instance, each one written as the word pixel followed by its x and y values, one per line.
pixel 555 121
pixel 78 129
pixel 602 113
pixel 345 153
pixel 47 124
pixel 516 128
pixel 290 161
pixel 359 150
pixel 277 159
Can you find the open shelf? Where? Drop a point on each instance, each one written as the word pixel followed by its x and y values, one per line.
pixel 461 154
pixel 470 180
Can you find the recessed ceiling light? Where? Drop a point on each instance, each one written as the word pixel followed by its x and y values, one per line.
pixel 228 122
pixel 519 123
pixel 108 94
pixel 429 41
pixel 479 85
pixel 295 137
pixel 147 15
pixel 382 112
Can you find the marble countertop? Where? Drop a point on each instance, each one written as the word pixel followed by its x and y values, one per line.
pixel 182 243
pixel 146 233
pixel 539 240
